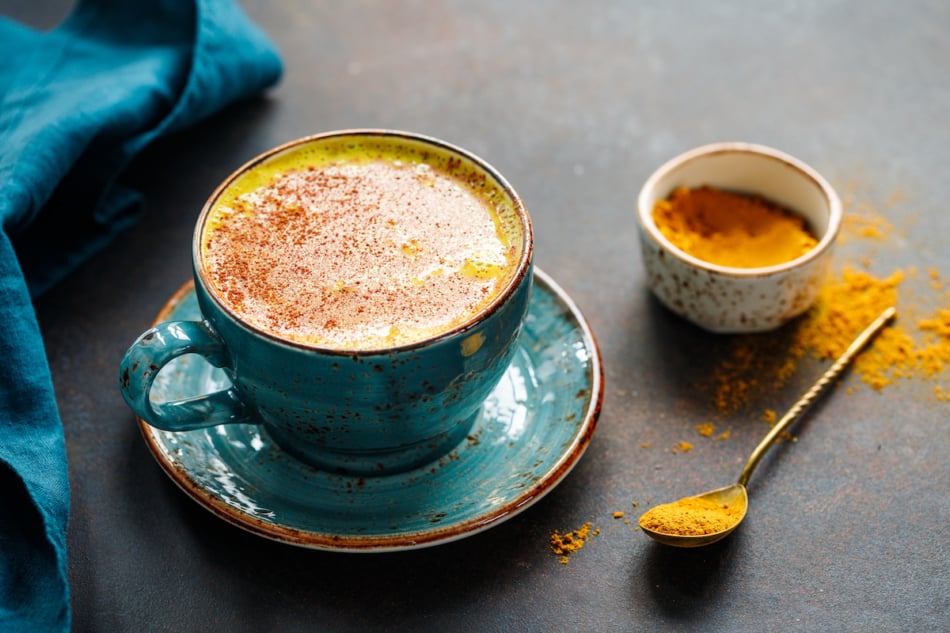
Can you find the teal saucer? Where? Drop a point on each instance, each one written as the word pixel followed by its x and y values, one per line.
pixel 531 431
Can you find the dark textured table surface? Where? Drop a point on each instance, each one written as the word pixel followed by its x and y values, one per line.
pixel 576 103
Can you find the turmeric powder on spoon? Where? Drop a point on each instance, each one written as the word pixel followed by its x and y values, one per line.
pixel 691 516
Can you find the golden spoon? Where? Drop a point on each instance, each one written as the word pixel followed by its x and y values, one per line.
pixel 734 497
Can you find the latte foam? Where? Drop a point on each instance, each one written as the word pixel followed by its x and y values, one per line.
pixel 358 246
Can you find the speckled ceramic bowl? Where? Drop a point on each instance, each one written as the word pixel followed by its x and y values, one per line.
pixel 731 300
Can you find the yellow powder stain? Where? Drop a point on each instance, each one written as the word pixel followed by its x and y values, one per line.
pixel 735 378
pixel 864 226
pixel 706 429
pixel 845 306
pixel 770 416
pixel 411 248
pixel 564 544
pixel 618 515
pixel 684 447
pixel 898 195
pixel 912 347
pixel 725 435
pixel 472 344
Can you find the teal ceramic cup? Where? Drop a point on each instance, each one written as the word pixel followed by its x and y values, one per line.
pixel 359 411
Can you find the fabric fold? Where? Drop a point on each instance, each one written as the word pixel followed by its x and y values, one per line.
pixel 81 101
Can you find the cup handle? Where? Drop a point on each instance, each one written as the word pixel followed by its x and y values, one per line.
pixel 153 350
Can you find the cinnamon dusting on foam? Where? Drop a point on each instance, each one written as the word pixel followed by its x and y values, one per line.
pixel 360 246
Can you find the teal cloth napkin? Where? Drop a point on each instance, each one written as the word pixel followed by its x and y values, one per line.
pixel 77 103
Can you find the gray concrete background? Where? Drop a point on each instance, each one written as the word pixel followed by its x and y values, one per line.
pixel 576 103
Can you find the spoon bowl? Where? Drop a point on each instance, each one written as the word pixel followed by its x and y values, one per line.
pixel 735 495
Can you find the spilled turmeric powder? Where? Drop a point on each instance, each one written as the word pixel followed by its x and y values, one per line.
pixel 691 516
pixel 732 229
pixel 566 543
pixel 846 304
pixel 865 225
pixel 915 347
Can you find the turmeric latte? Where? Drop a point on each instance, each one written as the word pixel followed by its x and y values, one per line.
pixel 732 229
pixel 357 245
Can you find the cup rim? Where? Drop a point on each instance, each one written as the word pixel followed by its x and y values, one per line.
pixel 521 271
pixel 835 213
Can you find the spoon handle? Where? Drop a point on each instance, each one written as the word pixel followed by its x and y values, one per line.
pixel 806 400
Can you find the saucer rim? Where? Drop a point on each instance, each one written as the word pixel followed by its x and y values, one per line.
pixel 404 540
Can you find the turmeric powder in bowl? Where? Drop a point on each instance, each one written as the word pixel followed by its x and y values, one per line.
pixel 732 229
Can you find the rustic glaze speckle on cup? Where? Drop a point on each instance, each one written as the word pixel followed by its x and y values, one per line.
pixel 357 411
pixel 735 300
